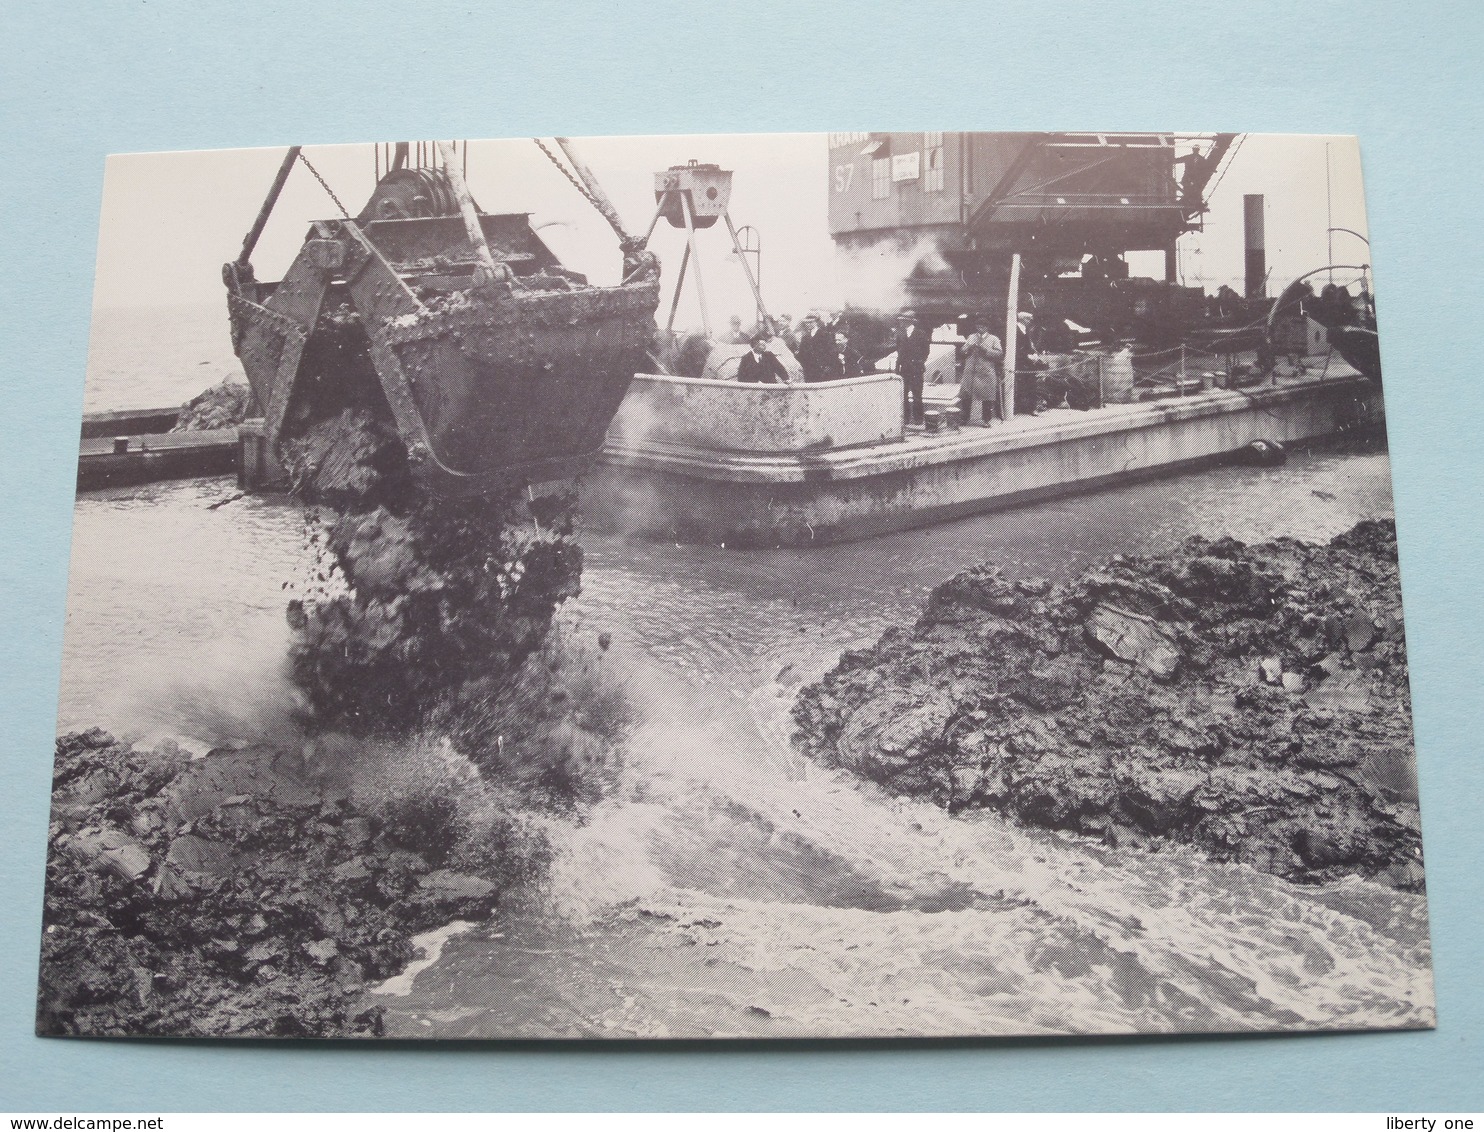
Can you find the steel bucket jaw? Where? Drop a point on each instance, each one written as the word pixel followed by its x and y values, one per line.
pixel 500 385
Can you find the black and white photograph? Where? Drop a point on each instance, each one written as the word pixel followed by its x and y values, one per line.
pixel 830 586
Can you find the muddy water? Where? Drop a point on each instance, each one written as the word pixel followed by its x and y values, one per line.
pixel 731 887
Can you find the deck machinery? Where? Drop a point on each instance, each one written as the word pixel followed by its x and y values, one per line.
pixel 496 366
pixel 931 221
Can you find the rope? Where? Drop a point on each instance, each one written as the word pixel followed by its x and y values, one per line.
pixel 324 185
pixel 1082 363
pixel 576 184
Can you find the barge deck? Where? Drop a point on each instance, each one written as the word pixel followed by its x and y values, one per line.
pixel 835 477
pixel 705 461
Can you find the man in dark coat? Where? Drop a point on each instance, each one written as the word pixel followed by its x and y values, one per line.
pixel 913 343
pixel 843 361
pixel 816 347
pixel 758 367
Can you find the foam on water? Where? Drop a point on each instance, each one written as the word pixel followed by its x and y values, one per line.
pixel 730 886
pixel 427 947
pixel 831 908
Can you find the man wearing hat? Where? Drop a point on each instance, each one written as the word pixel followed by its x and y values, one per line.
pixel 816 348
pixel 980 381
pixel 758 367
pixel 913 343
pixel 1031 392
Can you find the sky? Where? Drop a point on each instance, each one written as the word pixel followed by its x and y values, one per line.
pixel 169 220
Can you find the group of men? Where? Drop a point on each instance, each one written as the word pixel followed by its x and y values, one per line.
pixel 981 365
pixel 823 352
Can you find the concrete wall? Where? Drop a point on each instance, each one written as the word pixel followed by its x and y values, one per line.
pixel 722 416
pixel 797 500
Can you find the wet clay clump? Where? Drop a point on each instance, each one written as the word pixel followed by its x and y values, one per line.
pixel 1250 701
pixel 415 597
pixel 256 892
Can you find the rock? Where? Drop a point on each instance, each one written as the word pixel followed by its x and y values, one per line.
pixel 1051 686
pixel 1293 682
pixel 190 853
pixel 1134 638
pixel 1349 691
pixel 1406 875
pixel 266 950
pixel 1331 665
pixel 1271 669
pixel 1161 799
pixel 231 779
pixel 965 780
pixel 1360 631
pixel 356 831
pixel 1334 630
pixel 322 951
pixel 112 851
pixel 1264 454
pixel 352 871
pixel 1392 776
pixel 441 884
pixel 1325 845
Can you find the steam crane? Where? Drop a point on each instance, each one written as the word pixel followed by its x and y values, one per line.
pixel 953 212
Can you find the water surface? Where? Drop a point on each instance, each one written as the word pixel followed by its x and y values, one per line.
pixel 731 887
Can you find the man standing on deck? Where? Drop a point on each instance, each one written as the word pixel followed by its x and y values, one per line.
pixel 1033 393
pixel 816 347
pixel 913 343
pixel 984 355
pixel 758 367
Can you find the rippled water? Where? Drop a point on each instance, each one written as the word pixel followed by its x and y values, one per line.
pixel 732 887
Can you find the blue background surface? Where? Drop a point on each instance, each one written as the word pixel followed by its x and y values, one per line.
pixel 80 81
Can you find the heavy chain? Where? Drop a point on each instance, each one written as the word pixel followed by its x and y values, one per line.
pixel 576 184
pixel 324 185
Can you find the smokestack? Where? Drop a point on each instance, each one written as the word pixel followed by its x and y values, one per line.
pixel 1256 245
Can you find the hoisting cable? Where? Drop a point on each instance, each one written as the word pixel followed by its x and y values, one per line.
pixel 324 185
pixel 638 261
pixel 576 184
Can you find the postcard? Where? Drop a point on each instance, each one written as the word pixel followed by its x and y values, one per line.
pixel 841 585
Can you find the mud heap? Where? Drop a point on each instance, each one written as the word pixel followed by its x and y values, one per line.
pixel 225 405
pixel 1250 701
pixel 254 892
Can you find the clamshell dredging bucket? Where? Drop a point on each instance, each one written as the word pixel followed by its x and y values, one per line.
pixel 499 366
pixel 493 389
